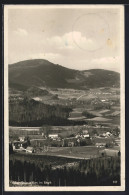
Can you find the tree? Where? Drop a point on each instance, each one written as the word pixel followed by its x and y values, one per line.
pixel 109 145
pixel 46 129
pixel 10 148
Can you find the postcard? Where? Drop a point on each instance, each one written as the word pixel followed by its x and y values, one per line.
pixel 64 98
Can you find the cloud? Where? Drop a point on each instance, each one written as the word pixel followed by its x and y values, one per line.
pixel 61 42
pixel 71 41
pixel 20 32
pixel 83 42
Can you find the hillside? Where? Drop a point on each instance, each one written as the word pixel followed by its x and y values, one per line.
pixel 25 74
pixel 35 91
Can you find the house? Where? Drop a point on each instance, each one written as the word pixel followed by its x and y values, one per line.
pixel 100 144
pixel 53 136
pixel 85 136
pixel 117 142
pixel 77 136
pixel 103 100
pixel 70 144
pixel 21 139
pixel 30 150
pixel 85 132
pixel 69 141
pixel 103 135
pixel 16 145
pixel 109 152
pixel 98 126
pixel 19 144
pixel 108 134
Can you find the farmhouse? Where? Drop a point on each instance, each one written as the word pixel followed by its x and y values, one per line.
pixel 108 134
pixel 100 144
pixel 103 100
pixel 85 132
pixel 77 136
pixel 117 142
pixel 21 139
pixel 70 144
pixel 86 135
pixel 109 152
pixel 53 136
pixel 30 150
pixel 19 144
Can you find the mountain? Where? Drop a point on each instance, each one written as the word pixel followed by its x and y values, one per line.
pixel 42 73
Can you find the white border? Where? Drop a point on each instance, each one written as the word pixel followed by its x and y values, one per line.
pixel 6 110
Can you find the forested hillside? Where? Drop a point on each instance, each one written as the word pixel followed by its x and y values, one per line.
pixel 25 74
pixel 31 113
pixel 92 172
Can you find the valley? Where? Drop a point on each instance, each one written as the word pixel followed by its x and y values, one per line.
pixel 62 113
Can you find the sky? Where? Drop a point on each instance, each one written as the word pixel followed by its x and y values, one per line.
pixel 78 38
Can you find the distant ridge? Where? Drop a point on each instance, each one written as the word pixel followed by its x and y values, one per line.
pixel 39 72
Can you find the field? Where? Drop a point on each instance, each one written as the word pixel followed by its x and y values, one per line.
pixel 61 155
pixel 84 152
pixel 95 111
pixel 99 119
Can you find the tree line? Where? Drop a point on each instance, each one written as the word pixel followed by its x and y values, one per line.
pixel 92 172
pixel 28 112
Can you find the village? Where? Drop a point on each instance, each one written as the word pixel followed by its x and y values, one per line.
pixel 39 141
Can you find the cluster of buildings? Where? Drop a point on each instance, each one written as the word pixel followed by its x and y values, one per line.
pixel 81 138
pixel 105 135
pixel 83 134
pixel 22 145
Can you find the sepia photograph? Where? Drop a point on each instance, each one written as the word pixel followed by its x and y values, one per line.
pixel 64 98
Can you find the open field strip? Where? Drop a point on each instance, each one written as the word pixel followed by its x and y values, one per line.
pixel 24 128
pixel 99 119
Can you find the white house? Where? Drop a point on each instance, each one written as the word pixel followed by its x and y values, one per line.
pixel 108 134
pixel 21 139
pixel 100 144
pixel 53 136
pixel 103 100
pixel 30 150
pixel 85 132
pixel 86 135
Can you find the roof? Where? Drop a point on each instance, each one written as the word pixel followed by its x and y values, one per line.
pixel 86 135
pixel 85 131
pixel 100 143
pixel 29 148
pixel 22 136
pixel 19 142
pixel 53 135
